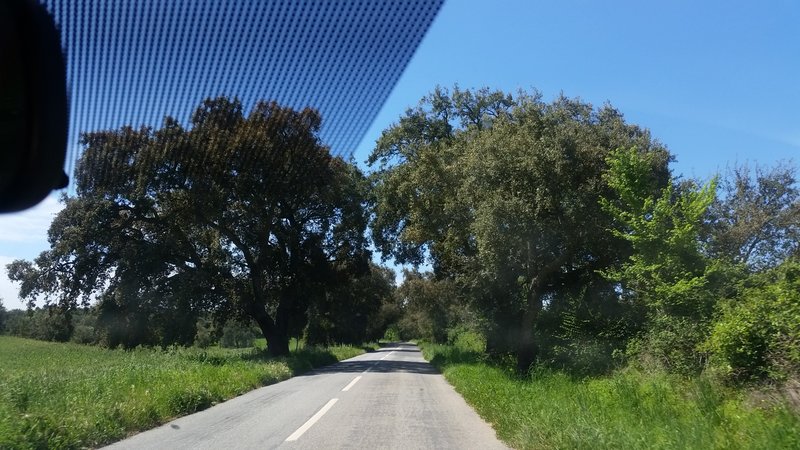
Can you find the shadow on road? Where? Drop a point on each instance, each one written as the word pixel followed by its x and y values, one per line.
pixel 378 365
pixel 385 366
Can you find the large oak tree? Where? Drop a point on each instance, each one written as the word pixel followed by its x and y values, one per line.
pixel 501 194
pixel 237 214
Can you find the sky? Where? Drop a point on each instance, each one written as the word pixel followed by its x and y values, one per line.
pixel 718 82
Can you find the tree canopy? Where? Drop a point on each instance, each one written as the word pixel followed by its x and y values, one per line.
pixel 555 232
pixel 501 194
pixel 236 214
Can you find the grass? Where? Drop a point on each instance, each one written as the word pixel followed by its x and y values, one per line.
pixel 628 409
pixel 74 396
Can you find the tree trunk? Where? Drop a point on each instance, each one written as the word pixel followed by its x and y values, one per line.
pixel 527 350
pixel 277 339
pixel 277 342
pixel 278 345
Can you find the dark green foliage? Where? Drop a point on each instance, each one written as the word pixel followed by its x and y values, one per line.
pixel 350 312
pixel 561 226
pixel 51 323
pixel 47 324
pixel 429 307
pixel 3 314
pixel 392 333
pixel 501 195
pixel 208 333
pixel 130 321
pixel 237 216
pixel 756 220
pixel 85 330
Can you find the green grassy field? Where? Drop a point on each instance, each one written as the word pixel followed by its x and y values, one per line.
pixel 628 409
pixel 73 396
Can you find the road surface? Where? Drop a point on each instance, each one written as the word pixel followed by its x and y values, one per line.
pixel 391 398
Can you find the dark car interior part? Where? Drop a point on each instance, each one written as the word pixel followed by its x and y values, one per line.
pixel 33 105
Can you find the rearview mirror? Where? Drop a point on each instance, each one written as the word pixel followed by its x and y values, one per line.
pixel 33 105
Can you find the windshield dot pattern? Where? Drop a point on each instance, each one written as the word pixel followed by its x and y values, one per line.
pixel 134 62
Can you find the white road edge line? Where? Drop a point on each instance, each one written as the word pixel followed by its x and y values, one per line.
pixel 310 423
pixel 355 380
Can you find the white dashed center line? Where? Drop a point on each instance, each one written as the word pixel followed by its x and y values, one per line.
pixel 296 435
pixel 310 422
pixel 355 380
pixel 376 362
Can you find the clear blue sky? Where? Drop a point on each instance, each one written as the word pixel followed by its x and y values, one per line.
pixel 716 81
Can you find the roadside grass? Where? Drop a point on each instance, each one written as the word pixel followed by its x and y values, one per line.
pixel 627 409
pixel 75 396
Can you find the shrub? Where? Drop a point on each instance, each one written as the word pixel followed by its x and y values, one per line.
pixel 671 344
pixel 758 335
pixel 583 356
pixel 392 333
pixel 466 339
pixel 207 334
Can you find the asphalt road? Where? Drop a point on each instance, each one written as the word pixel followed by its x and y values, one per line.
pixel 387 399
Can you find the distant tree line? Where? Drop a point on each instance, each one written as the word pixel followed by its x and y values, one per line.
pixel 556 231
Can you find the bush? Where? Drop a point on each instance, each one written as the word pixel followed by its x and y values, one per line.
pixel 392 333
pixel 672 344
pixel 466 339
pixel 207 334
pixel 581 357
pixel 758 335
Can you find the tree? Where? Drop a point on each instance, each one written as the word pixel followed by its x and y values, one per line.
pixel 240 215
pixel 46 324
pixel 429 307
pixel 3 314
pixel 350 311
pixel 667 271
pixel 756 219
pixel 501 195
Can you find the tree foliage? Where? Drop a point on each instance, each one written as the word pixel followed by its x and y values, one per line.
pixel 501 194
pixel 756 219
pixel 49 323
pixel 3 316
pixel 238 214
pixel 350 313
pixel 758 334
pixel 667 272
pixel 429 307
pixel 667 269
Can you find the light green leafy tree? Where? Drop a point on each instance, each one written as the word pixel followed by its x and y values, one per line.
pixel 667 271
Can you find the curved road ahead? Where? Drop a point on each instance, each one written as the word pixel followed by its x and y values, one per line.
pixel 391 398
